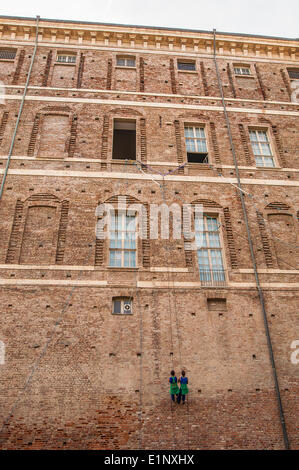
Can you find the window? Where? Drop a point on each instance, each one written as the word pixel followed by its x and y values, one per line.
pixel 242 70
pixel 70 59
pixel 122 305
pixel 196 144
pixel 7 54
pixel 209 251
pixel 293 74
pixel 124 139
pixel 122 250
pixel 125 61
pixel 185 65
pixel 261 148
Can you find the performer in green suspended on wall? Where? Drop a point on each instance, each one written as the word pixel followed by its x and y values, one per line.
pixel 174 389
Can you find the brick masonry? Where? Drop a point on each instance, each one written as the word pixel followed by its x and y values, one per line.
pixel 102 382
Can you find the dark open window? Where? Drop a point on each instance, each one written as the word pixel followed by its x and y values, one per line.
pixel 124 139
pixel 196 144
pixel 197 157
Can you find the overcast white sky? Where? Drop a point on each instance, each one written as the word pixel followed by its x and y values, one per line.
pixel 266 17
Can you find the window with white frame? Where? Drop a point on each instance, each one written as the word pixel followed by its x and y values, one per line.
pixel 261 148
pixel 186 65
pixel 242 70
pixel 209 250
pixel 122 305
pixel 122 235
pixel 196 144
pixel 66 58
pixel 125 61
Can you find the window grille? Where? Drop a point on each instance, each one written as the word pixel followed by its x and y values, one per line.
pixel 71 59
pixel 242 70
pixel 7 54
pixel 186 65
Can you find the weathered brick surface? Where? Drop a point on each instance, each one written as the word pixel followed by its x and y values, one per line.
pixel 101 380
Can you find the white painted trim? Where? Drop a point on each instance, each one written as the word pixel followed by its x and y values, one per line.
pixel 166 269
pixel 277 285
pixel 257 168
pixel 151 163
pixel 138 176
pixel 167 95
pixel 52 282
pixel 269 271
pixel 140 284
pixel 195 285
pixel 66 267
pixel 43 267
pixel 145 104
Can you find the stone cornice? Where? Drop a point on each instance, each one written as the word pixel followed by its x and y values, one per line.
pixel 147 38
pixel 143 177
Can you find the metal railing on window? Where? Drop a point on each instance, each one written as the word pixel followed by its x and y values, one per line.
pixel 212 277
pixel 71 59
pixel 7 54
pixel 186 66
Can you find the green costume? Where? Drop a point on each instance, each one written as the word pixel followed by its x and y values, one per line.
pixel 184 389
pixel 174 389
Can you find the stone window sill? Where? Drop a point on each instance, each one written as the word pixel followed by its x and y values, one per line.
pixel 117 268
pixel 122 160
pixel 268 168
pixel 244 76
pixel 125 67
pixel 122 314
pixel 65 63
pixel 187 71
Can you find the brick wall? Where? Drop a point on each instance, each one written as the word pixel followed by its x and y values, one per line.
pixel 102 381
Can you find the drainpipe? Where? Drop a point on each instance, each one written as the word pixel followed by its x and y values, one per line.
pixel 20 111
pixel 257 281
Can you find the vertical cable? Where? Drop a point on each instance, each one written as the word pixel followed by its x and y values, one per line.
pixel 260 292
pixel 20 110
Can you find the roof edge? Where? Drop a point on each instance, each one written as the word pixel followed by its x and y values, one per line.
pixel 165 28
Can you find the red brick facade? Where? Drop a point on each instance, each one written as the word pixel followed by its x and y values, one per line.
pixel 100 381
